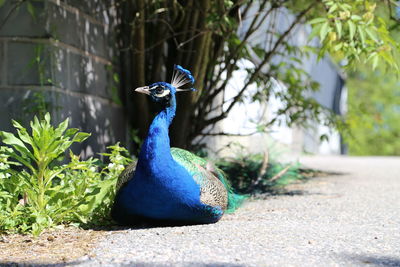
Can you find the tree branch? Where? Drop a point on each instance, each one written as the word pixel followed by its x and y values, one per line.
pixel 267 57
pixel 227 134
pixel 234 54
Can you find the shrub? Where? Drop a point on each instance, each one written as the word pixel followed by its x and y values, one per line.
pixel 244 173
pixel 40 186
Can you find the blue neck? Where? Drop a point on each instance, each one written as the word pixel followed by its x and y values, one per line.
pixel 156 147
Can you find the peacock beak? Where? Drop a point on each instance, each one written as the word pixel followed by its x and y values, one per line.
pixel 144 90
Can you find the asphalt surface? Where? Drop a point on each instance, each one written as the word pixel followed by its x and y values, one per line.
pixel 352 219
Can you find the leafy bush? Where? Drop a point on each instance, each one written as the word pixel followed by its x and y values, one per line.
pixel 39 190
pixel 244 173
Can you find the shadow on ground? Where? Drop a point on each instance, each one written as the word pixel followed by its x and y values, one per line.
pixel 263 192
pixel 375 260
pixel 251 186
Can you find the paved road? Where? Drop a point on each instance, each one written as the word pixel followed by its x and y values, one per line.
pixel 351 219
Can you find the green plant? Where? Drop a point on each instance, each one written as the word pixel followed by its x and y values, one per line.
pixel 373 115
pixel 36 101
pixel 39 188
pixel 247 174
pixel 358 31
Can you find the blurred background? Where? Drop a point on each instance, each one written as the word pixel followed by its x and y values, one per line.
pixel 297 77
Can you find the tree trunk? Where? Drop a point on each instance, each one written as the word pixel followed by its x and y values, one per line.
pixel 140 102
pixel 180 130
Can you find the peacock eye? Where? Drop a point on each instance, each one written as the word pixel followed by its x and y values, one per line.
pixel 159 90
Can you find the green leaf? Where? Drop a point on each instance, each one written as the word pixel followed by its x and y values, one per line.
pixel 362 36
pixel 23 134
pixel 371 34
pixel 23 161
pixel 83 219
pixel 61 128
pixel 17 125
pixel 2 2
pixel 356 17
pixel 96 197
pixel 315 31
pixel 352 29
pixel 338 25
pixel 387 57
pixel 375 61
pixel 80 137
pixel 35 125
pixel 116 77
pixel 12 140
pixel 338 47
pixel 260 52
pixel 31 9
pixel 333 8
pixel 70 132
pixel 16 143
pixel 47 118
pixel 324 31
pixel 346 7
pixel 317 20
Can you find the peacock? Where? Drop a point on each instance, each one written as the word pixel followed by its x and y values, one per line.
pixel 171 185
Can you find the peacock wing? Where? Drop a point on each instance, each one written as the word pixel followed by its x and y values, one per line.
pixel 212 190
pixel 126 176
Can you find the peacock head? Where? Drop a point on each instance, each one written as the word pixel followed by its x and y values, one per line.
pixel 162 92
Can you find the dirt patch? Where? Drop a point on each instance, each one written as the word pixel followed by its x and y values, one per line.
pixel 51 247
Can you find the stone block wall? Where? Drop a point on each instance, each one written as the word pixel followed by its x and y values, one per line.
pixel 62 53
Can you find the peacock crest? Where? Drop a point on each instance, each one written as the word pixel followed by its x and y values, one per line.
pixel 181 77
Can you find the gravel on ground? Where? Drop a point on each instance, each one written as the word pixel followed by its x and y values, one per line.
pixel 351 219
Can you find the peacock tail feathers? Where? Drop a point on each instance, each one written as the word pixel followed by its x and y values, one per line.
pixel 125 176
pixel 203 172
pixel 234 200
